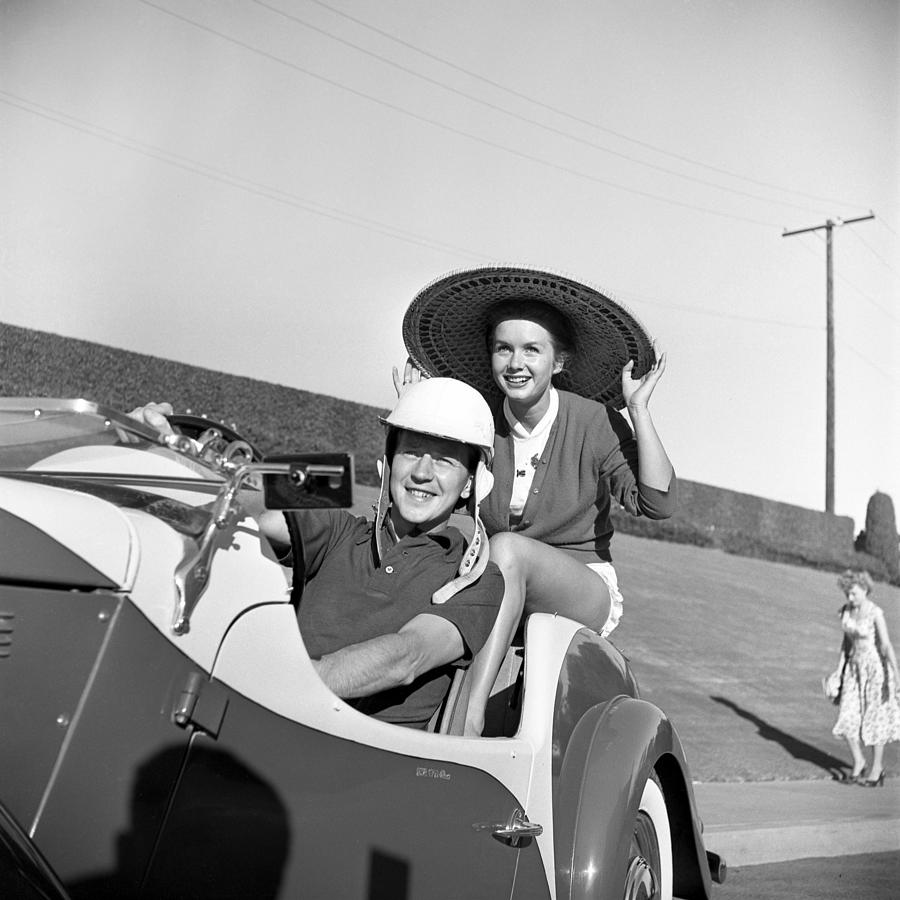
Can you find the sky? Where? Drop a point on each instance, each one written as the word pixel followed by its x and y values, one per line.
pixel 262 187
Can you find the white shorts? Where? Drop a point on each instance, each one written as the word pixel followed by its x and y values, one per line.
pixel 606 571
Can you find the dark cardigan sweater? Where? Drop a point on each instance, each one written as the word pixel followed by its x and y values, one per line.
pixel 590 458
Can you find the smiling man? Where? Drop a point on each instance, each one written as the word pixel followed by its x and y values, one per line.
pixel 388 607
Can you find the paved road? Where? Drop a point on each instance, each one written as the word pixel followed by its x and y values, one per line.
pixel 774 821
pixel 806 840
pixel 873 876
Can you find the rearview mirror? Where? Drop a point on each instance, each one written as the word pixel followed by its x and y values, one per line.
pixel 315 481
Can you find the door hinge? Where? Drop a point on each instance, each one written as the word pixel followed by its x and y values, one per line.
pixel 201 705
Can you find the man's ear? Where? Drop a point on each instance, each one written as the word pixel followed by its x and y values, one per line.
pixel 466 492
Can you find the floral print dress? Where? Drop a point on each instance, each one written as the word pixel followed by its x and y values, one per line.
pixel 868 705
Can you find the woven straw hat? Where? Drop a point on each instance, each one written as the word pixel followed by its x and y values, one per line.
pixel 445 330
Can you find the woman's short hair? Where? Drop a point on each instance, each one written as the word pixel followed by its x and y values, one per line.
pixel 557 325
pixel 851 577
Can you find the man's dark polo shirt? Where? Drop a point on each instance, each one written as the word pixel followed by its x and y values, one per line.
pixel 348 599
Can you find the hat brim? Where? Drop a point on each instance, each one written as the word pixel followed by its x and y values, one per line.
pixel 445 330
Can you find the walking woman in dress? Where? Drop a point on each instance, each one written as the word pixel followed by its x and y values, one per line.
pixel 556 359
pixel 868 712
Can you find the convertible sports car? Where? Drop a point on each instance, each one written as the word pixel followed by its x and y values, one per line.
pixel 164 734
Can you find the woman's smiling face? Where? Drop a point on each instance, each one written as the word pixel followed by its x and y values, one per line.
pixel 523 361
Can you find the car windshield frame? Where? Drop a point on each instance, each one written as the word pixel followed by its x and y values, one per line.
pixel 33 429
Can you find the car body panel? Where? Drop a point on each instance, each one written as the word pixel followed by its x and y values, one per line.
pixel 244 573
pixel 372 821
pixel 54 639
pixel 124 716
pixel 107 545
pixel 261 654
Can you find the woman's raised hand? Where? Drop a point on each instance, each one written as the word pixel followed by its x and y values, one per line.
pixel 411 375
pixel 637 391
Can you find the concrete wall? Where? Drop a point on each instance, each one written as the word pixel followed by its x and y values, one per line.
pixel 279 419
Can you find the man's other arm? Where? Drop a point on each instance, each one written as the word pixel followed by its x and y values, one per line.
pixel 273 526
pixel 390 660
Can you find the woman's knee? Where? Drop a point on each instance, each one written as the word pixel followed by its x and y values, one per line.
pixel 509 549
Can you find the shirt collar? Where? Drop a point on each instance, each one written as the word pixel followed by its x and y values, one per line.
pixel 549 417
pixel 447 538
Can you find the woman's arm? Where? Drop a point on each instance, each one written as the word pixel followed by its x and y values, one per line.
pixel 884 642
pixel 654 466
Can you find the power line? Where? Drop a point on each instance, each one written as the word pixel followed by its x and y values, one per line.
pixel 867 360
pixel 278 195
pixel 694 310
pixel 572 117
pixel 884 224
pixel 514 115
pixel 451 129
pixel 874 253
pixel 867 297
pixel 207 171
pixel 844 280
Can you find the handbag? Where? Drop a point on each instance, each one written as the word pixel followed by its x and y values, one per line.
pixel 833 684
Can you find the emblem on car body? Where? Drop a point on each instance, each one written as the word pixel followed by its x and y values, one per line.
pixel 440 774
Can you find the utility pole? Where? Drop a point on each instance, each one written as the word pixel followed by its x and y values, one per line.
pixel 829 347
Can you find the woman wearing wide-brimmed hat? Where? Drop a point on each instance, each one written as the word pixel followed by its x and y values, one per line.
pixel 556 358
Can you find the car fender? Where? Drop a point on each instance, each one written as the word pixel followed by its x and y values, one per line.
pixel 611 753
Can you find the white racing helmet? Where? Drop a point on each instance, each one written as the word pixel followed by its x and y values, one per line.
pixel 449 409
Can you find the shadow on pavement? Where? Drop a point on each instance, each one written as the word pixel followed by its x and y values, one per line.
pixel 797 748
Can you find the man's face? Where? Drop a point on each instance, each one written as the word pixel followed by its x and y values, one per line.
pixel 428 476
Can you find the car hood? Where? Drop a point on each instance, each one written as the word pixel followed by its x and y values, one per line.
pixel 90 529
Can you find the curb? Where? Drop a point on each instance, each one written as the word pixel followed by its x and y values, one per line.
pixel 753 823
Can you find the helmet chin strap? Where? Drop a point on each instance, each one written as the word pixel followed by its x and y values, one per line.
pixel 383 504
pixel 476 557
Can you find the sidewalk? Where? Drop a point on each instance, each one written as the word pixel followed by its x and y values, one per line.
pixel 751 823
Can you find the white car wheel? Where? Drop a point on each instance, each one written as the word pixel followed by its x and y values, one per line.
pixel 648 873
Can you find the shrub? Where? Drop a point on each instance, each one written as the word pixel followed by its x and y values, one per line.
pixel 879 539
pixel 741 544
pixel 674 530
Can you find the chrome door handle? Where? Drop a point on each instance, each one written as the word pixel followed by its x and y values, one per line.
pixel 516 829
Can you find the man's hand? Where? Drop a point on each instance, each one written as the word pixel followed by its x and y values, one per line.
pixel 390 660
pixel 154 415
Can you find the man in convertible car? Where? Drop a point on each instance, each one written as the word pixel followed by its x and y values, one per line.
pixel 390 606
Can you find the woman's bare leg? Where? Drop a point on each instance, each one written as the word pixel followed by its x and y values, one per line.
pixel 556 583
pixel 538 578
pixel 859 761
pixel 877 762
